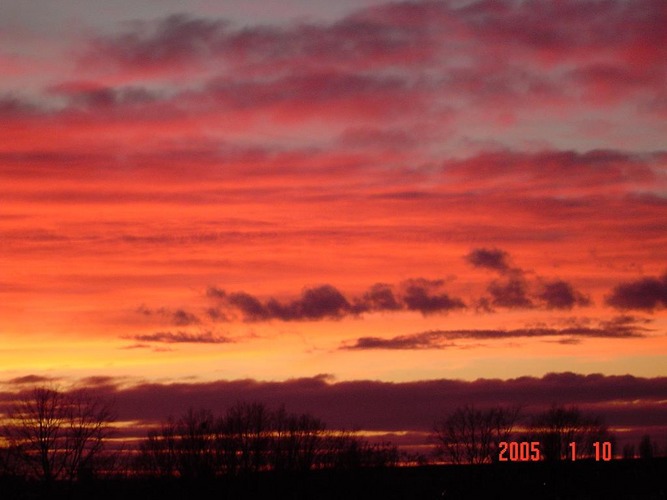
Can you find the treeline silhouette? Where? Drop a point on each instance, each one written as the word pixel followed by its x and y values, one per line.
pixel 57 444
pixel 471 435
pixel 250 437
pixel 63 436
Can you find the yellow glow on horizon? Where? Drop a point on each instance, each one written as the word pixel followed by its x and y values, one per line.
pixel 258 358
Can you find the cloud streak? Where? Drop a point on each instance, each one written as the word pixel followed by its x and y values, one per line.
pixel 181 337
pixel 444 339
pixel 176 317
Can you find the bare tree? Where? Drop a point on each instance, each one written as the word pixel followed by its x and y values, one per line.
pixel 341 449
pixel 559 426
pixel 471 435
pixel 196 447
pixel 157 453
pixel 9 463
pixel 249 438
pixel 200 445
pixel 246 436
pixel 58 435
pixel 187 448
pixel 628 451
pixel 648 448
pixel 296 440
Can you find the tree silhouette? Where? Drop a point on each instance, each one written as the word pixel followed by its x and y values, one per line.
pixel 58 435
pixel 250 437
pixel 647 448
pixel 471 435
pixel 157 453
pixel 629 451
pixel 559 426
pixel 245 434
pixel 297 441
pixel 196 448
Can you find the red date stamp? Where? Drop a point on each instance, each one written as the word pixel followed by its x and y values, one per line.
pixel 530 451
pixel 602 451
pixel 519 452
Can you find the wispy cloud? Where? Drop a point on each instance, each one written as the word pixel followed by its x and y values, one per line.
pixel 443 339
pixel 181 337
pixel 31 380
pixel 176 317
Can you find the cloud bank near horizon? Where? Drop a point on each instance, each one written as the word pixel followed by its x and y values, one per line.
pixel 635 404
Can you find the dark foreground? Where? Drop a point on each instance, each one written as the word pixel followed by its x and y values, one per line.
pixel 633 479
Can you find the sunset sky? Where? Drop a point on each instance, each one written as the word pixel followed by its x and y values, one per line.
pixel 336 202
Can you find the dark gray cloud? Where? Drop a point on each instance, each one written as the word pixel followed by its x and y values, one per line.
pixel 83 95
pixel 327 302
pixel 177 38
pixel 323 302
pixel 181 337
pixel 397 32
pixel 632 403
pixel 99 381
pixel 215 292
pixel 12 107
pixel 176 317
pixel 31 380
pixel 387 406
pixel 251 308
pixel 644 294
pixel 426 296
pixel 511 293
pixel 262 65
pixel 216 314
pixel 620 328
pixel 310 91
pixel 495 259
pixel 512 290
pixel 560 294
pixel 180 40
pixel 425 340
pixel 181 317
pixel 556 170
pixel 379 297
pixel 422 299
pixel 315 303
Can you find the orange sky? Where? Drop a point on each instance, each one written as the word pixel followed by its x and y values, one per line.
pixel 205 195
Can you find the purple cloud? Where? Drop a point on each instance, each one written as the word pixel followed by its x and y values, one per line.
pixel 644 294
pixel 489 259
pixel 560 294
